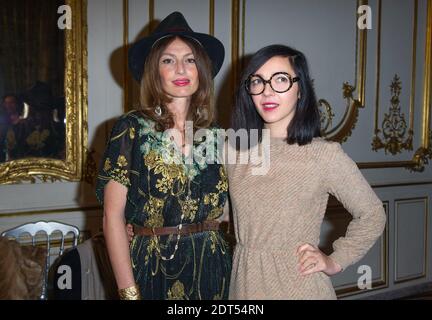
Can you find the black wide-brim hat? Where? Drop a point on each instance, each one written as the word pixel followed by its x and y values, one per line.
pixel 39 96
pixel 174 25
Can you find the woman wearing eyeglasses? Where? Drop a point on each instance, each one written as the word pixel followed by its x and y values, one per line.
pixel 277 216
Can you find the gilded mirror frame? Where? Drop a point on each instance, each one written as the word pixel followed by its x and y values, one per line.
pixel 75 84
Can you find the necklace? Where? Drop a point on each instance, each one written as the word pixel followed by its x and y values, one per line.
pixel 183 139
pixel 179 227
pixel 183 211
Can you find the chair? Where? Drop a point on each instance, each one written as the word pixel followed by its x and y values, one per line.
pixel 48 228
pixel 92 277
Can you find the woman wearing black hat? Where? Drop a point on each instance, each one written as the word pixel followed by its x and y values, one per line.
pixel 146 178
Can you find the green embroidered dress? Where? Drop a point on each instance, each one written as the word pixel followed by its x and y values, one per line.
pixel 163 185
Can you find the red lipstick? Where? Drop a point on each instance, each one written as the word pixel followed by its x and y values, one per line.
pixel 269 106
pixel 181 82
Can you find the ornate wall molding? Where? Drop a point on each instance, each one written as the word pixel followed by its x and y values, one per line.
pixel 394 126
pixel 343 130
pixel 423 153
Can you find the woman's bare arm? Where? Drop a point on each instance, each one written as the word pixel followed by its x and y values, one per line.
pixel 115 233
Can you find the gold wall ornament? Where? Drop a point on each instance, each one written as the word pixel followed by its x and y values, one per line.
pixel 343 130
pixel 422 156
pixel 75 91
pixel 326 114
pixel 394 126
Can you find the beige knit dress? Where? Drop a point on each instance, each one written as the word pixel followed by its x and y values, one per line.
pixel 277 212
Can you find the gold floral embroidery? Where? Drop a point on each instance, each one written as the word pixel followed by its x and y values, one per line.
pixel 118 173
pixel 154 207
pixel 132 133
pixel 37 138
pixel 176 172
pixel 177 291
pixel 152 246
pixel 120 176
pixel 154 161
pixel 211 198
pixel 215 213
pixel 161 168
pixel 107 164
pixel 164 184
pixel 189 208
pixel 121 161
pixel 222 186
pixel 150 159
pixel 170 172
pixel 214 240
pixel 214 197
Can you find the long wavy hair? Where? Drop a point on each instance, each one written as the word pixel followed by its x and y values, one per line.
pixel 306 123
pixel 201 109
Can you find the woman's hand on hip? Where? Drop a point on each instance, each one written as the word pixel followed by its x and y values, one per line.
pixel 312 259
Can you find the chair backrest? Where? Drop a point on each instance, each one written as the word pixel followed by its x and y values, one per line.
pixel 48 228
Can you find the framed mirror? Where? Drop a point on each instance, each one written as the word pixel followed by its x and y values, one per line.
pixel 43 90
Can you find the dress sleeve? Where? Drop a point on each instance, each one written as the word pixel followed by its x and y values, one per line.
pixel 348 185
pixel 117 162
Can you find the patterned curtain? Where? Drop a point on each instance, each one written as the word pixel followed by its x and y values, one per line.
pixel 31 45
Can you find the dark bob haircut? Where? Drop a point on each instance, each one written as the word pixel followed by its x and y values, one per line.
pixel 305 124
